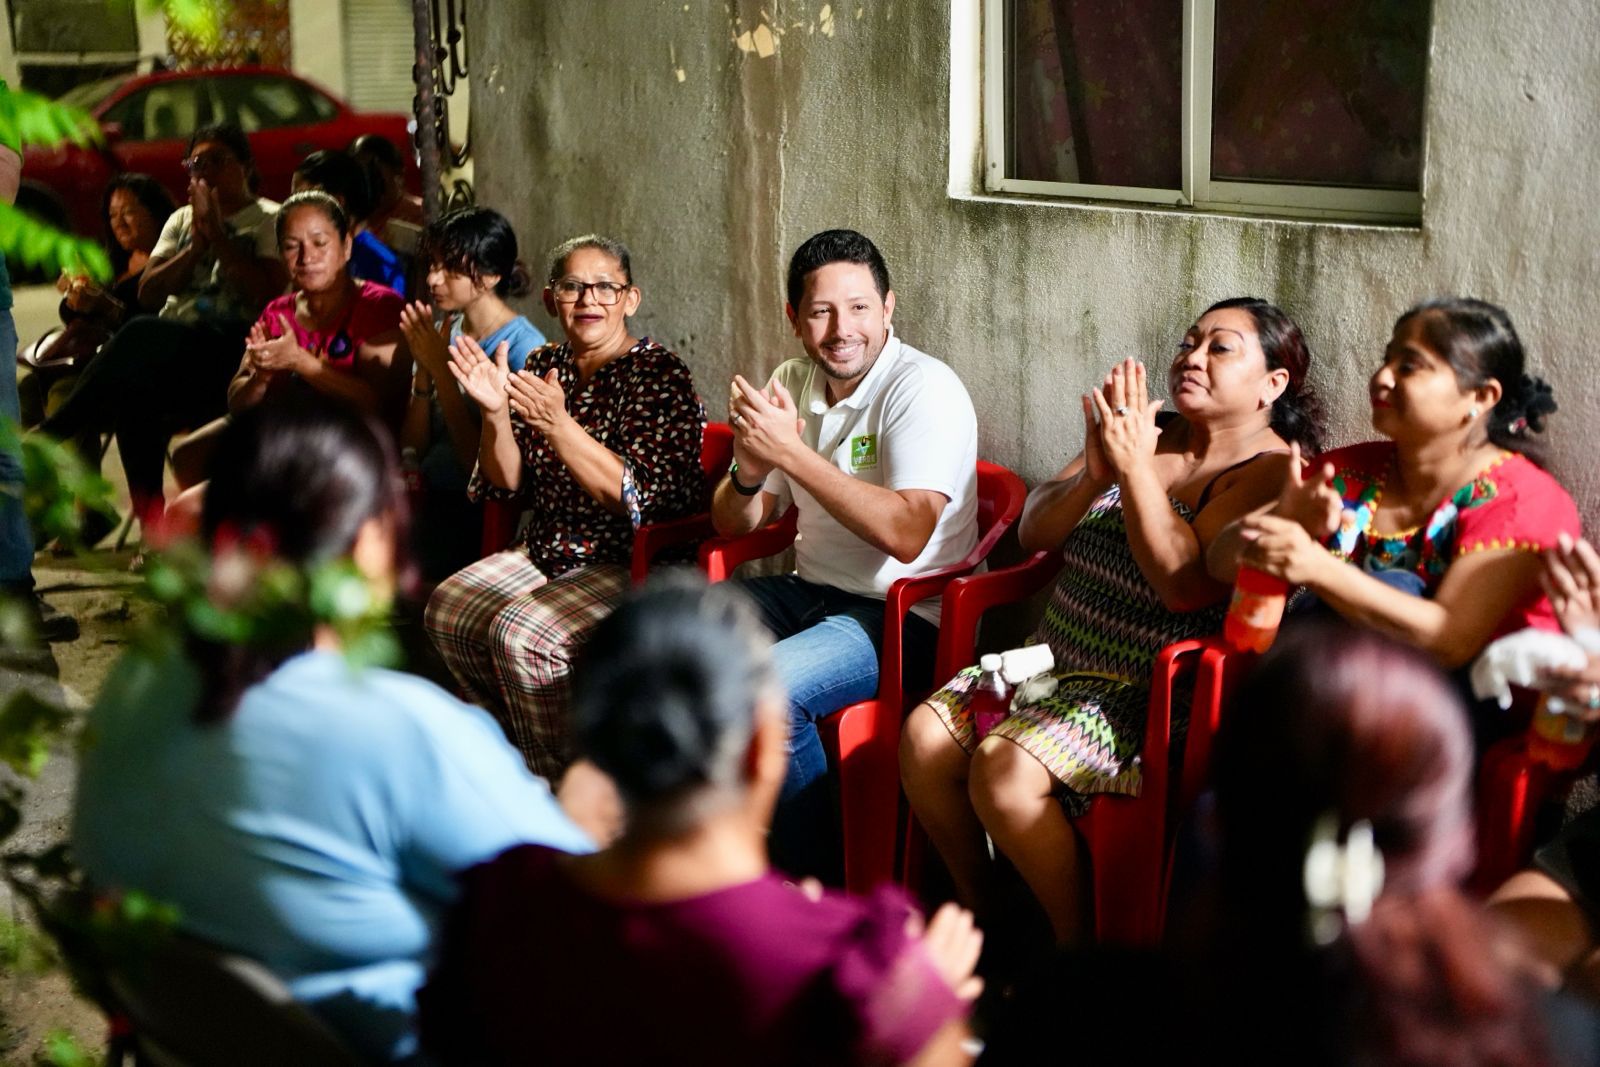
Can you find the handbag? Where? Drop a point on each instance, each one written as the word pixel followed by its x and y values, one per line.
pixel 65 349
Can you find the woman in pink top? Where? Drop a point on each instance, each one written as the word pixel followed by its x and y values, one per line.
pixel 332 333
pixel 678 944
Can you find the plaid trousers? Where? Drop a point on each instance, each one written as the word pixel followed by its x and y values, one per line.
pixel 507 633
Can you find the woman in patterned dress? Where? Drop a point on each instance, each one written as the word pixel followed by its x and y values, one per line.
pixel 600 434
pixel 1132 516
pixel 1433 536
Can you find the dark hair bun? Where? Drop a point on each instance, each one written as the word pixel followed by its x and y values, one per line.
pixel 1523 412
pixel 665 688
pixel 519 282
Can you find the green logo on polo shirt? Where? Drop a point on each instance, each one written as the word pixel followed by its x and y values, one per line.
pixel 863 451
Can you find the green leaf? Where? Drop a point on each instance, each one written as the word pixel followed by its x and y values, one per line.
pixel 28 726
pixel 25 239
pixel 61 1049
pixel 30 119
pixel 200 19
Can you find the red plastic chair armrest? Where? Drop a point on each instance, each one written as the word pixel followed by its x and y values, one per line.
pixel 650 541
pixel 721 556
pixel 968 598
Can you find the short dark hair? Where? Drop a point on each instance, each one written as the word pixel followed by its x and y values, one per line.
pixel 340 176
pixel 1297 413
pixel 609 245
pixel 231 137
pixel 1479 342
pixel 377 147
pixel 835 246
pixel 664 694
pixel 151 194
pixel 321 201
pixel 476 241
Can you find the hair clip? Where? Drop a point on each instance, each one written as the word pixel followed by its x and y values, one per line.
pixel 1340 880
pixel 1518 424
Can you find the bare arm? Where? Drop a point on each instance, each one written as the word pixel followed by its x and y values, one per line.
pixel 1478 590
pixel 733 513
pixel 257 278
pixel 767 437
pixel 484 380
pixel 1054 508
pixel 167 275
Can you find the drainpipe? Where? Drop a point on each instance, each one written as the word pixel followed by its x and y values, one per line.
pixel 424 107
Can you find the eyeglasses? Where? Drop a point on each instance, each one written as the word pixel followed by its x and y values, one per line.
pixel 206 161
pixel 569 291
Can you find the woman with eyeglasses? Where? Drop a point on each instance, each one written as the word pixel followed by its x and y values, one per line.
pixel 601 435
pixel 472 268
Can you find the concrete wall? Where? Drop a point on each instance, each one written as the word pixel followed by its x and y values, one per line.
pixel 714 154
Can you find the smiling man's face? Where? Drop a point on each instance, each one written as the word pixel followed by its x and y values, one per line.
pixel 843 323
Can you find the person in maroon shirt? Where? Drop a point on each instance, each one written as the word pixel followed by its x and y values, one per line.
pixel 678 944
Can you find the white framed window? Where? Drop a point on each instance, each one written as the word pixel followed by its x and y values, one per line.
pixel 1304 108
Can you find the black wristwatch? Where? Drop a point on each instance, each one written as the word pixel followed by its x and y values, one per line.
pixel 738 486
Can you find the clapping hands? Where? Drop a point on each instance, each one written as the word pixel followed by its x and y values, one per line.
pixel 1128 432
pixel 272 355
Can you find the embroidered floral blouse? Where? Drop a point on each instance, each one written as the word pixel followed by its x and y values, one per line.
pixel 1512 503
pixel 643 407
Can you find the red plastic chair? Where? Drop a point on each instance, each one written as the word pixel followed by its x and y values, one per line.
pixel 1512 788
pixel 863 739
pixel 1128 839
pixel 716 455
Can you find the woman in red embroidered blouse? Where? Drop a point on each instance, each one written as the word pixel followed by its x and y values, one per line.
pixel 1447 508
pixel 600 434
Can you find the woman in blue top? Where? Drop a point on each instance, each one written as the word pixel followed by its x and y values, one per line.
pixel 472 268
pixel 294 808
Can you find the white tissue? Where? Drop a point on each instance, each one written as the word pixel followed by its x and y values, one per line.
pixel 1520 658
pixel 1020 664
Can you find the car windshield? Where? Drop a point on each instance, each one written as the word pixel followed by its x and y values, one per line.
pixel 89 95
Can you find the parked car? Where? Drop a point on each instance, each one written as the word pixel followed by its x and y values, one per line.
pixel 147 119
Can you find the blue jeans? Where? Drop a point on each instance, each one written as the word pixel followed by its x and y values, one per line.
pixel 16 541
pixel 827 653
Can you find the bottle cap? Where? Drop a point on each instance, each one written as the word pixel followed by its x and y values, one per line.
pixel 989 662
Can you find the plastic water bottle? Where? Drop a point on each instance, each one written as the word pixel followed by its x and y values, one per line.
pixel 1255 612
pixel 991 701
pixel 1557 737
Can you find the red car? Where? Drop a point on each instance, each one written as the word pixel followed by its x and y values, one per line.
pixel 147 120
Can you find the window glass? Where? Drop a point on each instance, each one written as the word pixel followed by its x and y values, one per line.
pixel 1096 92
pixel 1324 92
pixel 265 103
pixel 163 112
pixel 74 26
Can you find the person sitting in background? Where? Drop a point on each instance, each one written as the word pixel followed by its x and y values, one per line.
pixel 678 944
pixel 294 808
pixel 472 269
pixel 1331 929
pixel 211 272
pixel 333 333
pixel 1131 516
pixel 602 434
pixel 135 208
pixel 392 201
pixel 1432 537
pixel 347 181
pixel 330 334
pixel 875 447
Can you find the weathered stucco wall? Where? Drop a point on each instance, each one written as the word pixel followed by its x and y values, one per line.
pixel 652 120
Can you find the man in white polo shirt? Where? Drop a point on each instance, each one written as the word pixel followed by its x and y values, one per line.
pixel 875 444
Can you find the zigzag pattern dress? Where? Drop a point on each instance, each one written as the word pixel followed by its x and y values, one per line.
pixel 1106 626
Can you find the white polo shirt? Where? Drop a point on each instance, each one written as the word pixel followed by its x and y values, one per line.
pixel 908 425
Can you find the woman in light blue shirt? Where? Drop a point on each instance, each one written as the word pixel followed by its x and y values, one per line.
pixel 294 808
pixel 470 257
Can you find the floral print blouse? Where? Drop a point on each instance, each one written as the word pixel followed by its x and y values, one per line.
pixel 1511 503
pixel 643 407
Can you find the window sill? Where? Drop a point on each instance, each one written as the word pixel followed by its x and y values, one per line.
pixel 1279 216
